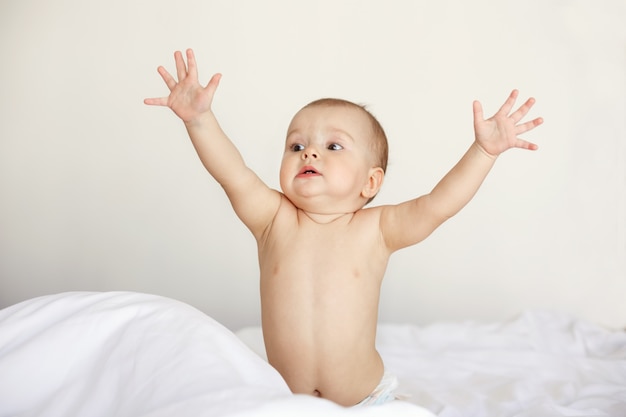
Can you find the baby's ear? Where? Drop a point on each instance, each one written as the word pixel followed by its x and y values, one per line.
pixel 374 182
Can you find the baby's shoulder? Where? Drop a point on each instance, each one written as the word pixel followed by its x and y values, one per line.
pixel 369 215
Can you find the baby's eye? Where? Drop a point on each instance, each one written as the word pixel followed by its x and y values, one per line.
pixel 297 147
pixel 335 147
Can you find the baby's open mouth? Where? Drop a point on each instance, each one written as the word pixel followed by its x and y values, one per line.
pixel 308 170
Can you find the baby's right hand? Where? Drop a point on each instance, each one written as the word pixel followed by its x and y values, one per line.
pixel 188 99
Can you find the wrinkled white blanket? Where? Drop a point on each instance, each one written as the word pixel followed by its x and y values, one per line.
pixel 541 364
pixel 129 354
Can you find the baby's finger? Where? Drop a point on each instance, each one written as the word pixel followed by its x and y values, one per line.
pixel 181 69
pixel 508 104
pixel 478 112
pixel 169 80
pixel 192 70
pixel 522 144
pixel 213 83
pixel 525 127
pixel 523 110
pixel 157 101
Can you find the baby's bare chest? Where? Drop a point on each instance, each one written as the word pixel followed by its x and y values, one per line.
pixel 323 252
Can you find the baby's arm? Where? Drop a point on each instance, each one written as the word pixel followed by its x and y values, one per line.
pixel 252 200
pixel 412 221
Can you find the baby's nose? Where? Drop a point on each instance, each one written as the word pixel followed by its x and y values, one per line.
pixel 309 153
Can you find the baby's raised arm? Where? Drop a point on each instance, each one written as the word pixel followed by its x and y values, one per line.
pixel 252 200
pixel 412 221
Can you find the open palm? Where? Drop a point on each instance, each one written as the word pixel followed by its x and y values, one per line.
pixel 500 132
pixel 187 98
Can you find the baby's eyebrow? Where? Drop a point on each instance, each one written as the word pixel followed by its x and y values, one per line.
pixel 342 133
pixel 291 132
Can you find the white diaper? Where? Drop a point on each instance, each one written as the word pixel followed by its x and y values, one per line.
pixel 383 393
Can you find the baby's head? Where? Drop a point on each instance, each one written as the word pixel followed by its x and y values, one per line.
pixel 345 148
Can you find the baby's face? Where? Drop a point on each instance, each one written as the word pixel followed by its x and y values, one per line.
pixel 328 158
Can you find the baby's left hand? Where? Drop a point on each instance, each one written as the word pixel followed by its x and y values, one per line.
pixel 500 132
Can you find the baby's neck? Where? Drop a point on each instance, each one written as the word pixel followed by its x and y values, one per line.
pixel 324 218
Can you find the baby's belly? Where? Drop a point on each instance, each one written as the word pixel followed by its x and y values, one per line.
pixel 321 361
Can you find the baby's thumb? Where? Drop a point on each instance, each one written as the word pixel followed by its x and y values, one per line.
pixel 478 111
pixel 213 83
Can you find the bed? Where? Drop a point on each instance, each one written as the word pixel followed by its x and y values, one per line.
pixel 133 354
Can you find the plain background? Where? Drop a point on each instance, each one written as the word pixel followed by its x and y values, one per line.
pixel 99 192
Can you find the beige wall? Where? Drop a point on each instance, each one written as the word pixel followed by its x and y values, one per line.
pixel 99 192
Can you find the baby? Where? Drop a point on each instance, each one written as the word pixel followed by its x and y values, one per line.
pixel 322 255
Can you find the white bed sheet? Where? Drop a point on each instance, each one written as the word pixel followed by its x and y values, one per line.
pixel 139 355
pixel 540 364
pixel 130 354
